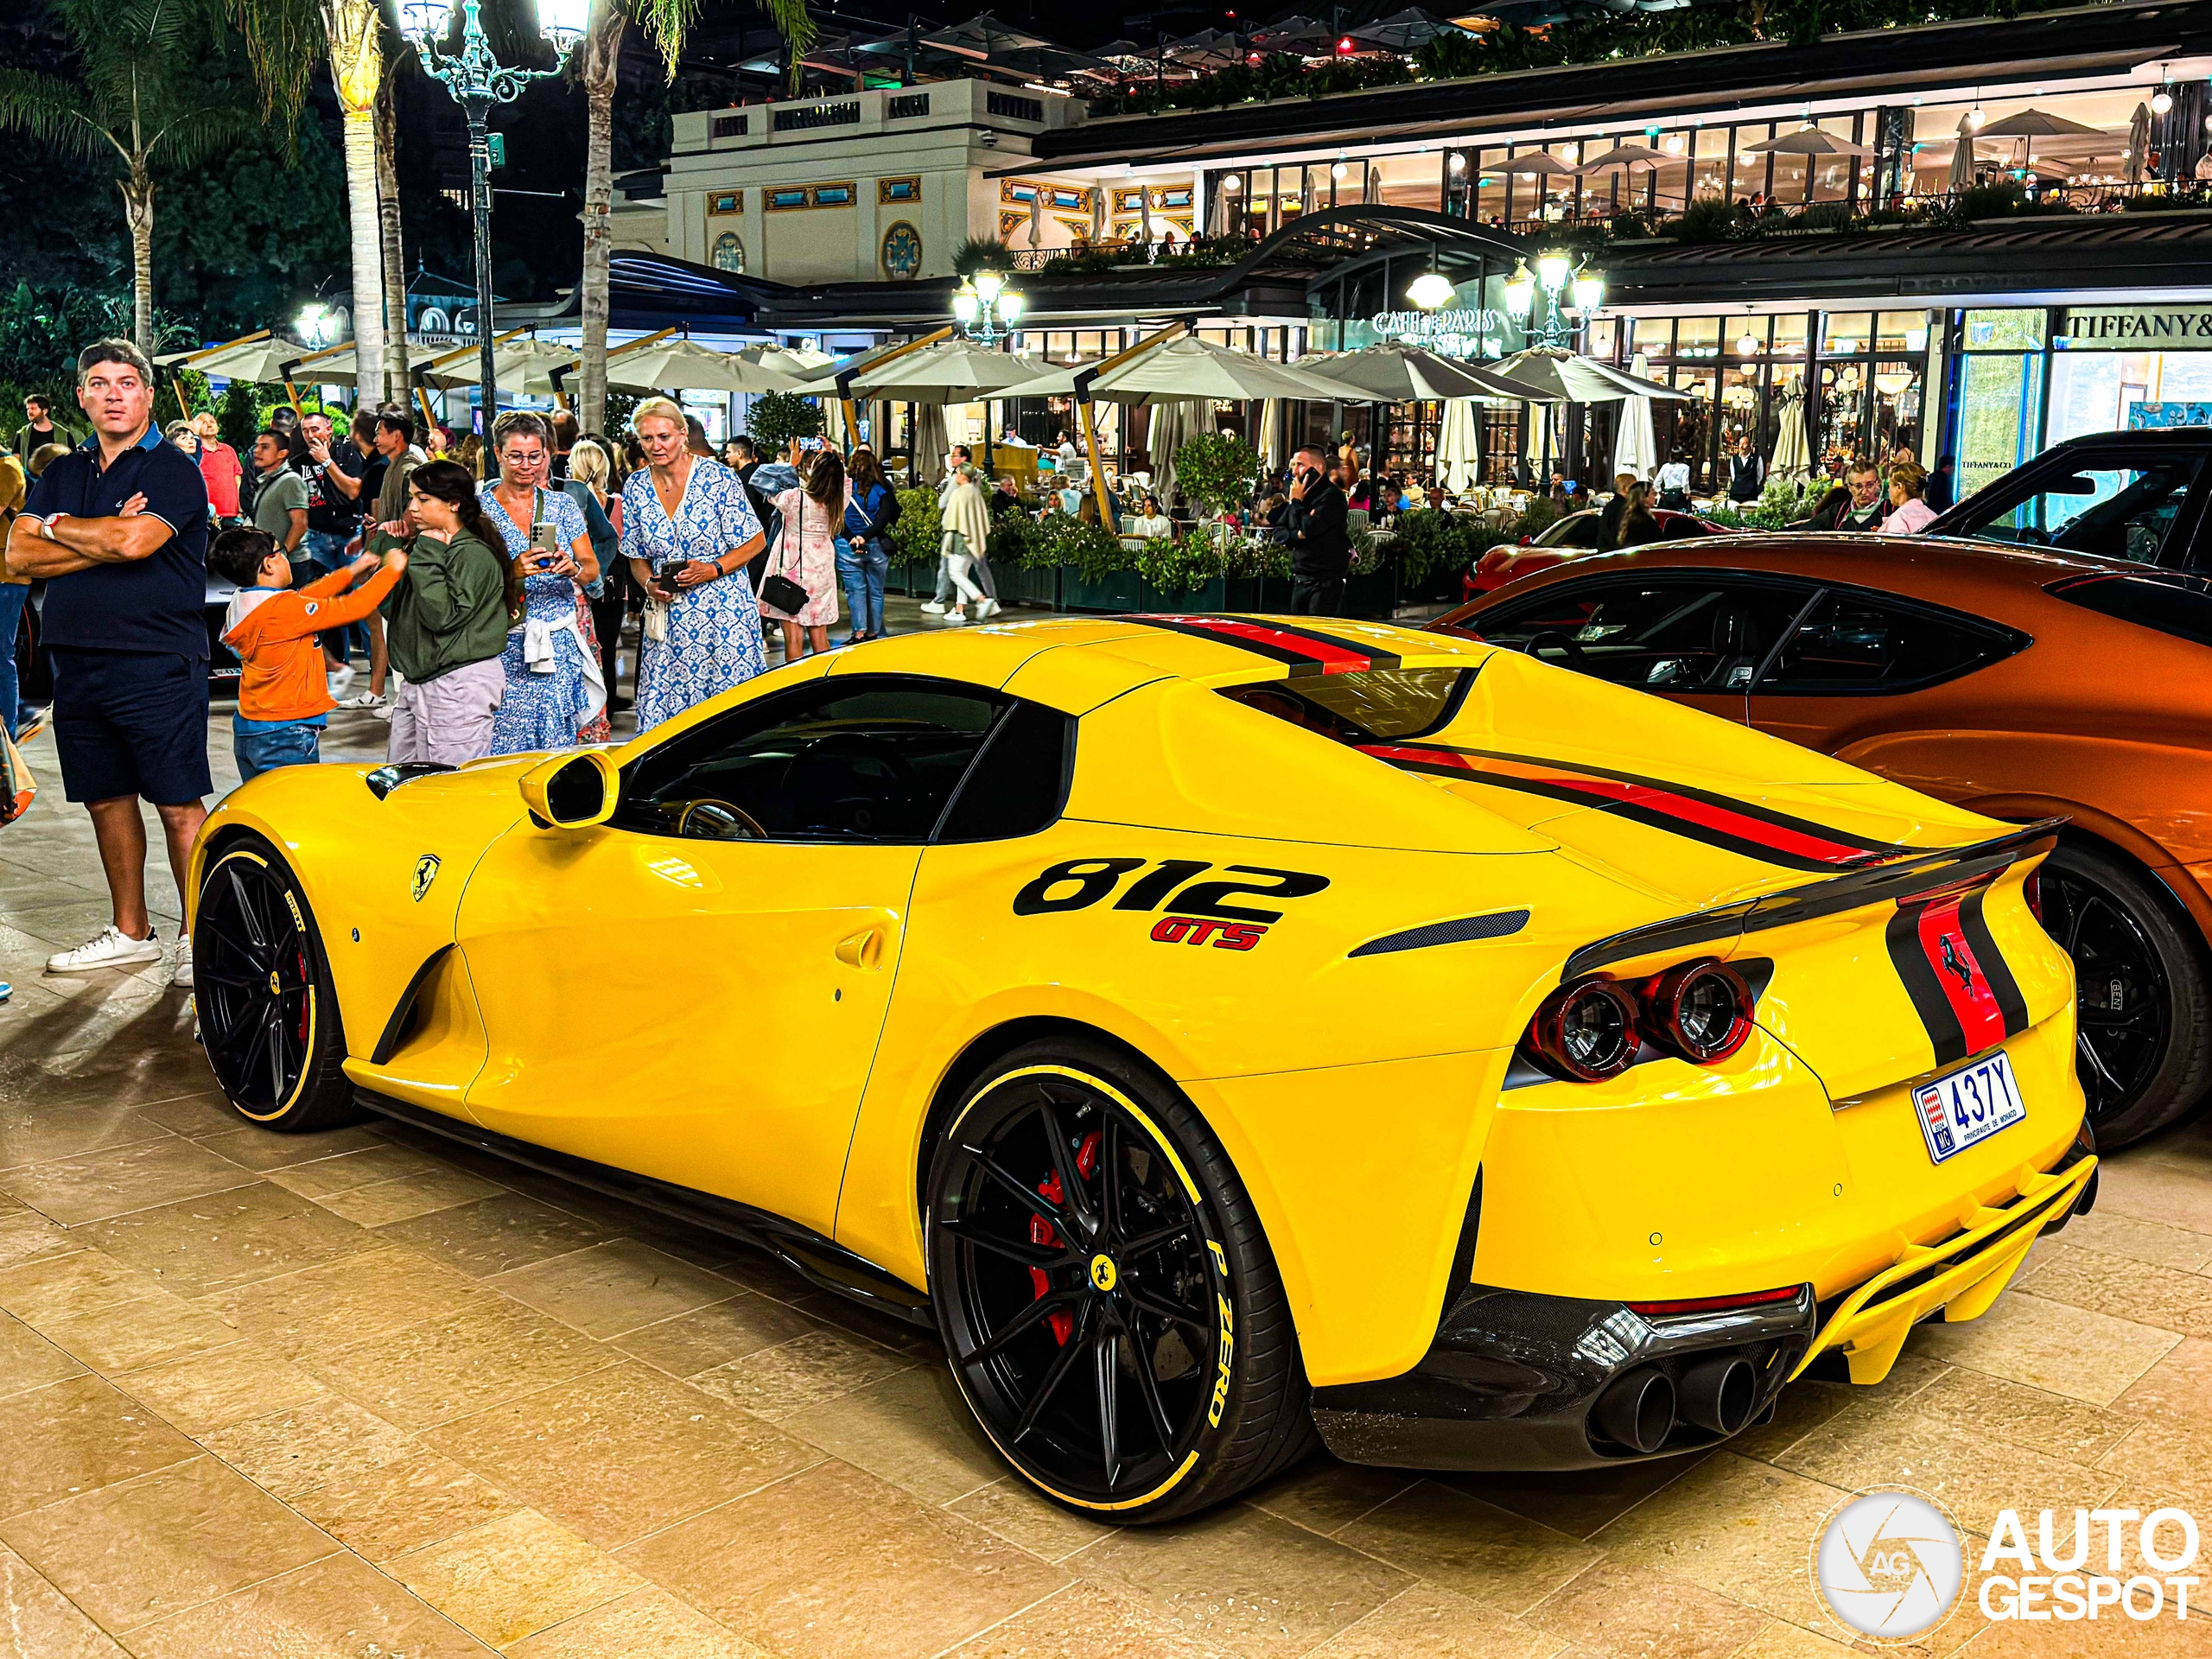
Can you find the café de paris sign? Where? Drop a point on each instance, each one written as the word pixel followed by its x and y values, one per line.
pixel 1453 331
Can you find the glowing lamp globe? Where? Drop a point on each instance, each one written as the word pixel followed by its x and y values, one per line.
pixel 1431 289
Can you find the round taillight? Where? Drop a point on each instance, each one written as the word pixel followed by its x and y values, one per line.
pixel 1583 1033
pixel 1699 1010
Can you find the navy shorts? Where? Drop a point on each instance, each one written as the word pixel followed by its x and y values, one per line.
pixel 128 722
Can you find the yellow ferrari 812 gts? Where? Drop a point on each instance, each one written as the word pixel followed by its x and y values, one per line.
pixel 1218 1028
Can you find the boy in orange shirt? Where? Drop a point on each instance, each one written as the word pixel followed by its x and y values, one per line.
pixel 284 695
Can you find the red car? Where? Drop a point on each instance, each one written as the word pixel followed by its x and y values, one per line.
pixel 1562 539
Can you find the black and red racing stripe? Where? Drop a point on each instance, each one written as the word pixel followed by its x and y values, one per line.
pixel 1304 651
pixel 1698 814
pixel 1956 976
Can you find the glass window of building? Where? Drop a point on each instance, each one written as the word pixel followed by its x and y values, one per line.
pixel 1414 180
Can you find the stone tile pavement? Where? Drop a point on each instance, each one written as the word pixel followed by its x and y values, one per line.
pixel 365 1393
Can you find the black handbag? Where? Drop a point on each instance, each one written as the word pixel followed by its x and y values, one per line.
pixel 779 589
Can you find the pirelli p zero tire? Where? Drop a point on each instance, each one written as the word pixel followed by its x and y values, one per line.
pixel 268 1015
pixel 1106 1299
pixel 2143 1009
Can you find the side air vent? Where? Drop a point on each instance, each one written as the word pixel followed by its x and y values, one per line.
pixel 1495 925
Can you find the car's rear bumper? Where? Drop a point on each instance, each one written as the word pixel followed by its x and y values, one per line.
pixel 1513 1377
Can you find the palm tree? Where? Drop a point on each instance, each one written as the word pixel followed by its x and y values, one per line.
pixel 140 99
pixel 665 23
pixel 285 41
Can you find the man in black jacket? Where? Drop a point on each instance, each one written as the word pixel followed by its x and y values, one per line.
pixel 1321 551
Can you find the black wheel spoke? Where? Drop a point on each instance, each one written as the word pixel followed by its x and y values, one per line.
pixel 1108 1349
pixel 204 974
pixel 1030 1255
pixel 1145 1244
pixel 1160 1308
pixel 247 917
pixel 1155 1408
pixel 1021 1322
pixel 1073 1198
pixel 273 1025
pixel 1028 1195
pixel 1110 1179
pixel 1057 1372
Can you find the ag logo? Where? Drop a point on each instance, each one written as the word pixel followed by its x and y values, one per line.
pixel 1888 1565
pixel 426 871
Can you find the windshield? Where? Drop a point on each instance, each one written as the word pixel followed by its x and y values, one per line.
pixel 1576 530
pixel 2104 505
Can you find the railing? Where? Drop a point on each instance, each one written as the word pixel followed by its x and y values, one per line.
pixel 1922 210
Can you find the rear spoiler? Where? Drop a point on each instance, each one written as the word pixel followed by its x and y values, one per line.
pixel 1901 877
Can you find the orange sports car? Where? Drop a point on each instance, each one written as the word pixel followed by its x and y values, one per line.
pixel 2024 683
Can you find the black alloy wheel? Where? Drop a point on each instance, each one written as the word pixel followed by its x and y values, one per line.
pixel 2143 1010
pixel 1105 1296
pixel 268 1017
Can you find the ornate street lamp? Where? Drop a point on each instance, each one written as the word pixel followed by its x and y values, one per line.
pixel 479 82
pixel 986 308
pixel 1556 273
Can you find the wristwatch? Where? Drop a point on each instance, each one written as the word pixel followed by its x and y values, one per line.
pixel 46 525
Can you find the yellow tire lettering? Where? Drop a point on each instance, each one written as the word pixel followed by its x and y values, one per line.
pixel 1228 1352
pixel 298 920
pixel 1220 1260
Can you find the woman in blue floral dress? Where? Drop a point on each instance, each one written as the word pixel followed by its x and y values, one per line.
pixel 688 530
pixel 556 696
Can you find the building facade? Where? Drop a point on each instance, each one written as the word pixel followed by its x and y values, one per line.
pixel 1966 240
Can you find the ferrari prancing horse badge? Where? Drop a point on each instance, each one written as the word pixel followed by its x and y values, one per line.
pixel 426 871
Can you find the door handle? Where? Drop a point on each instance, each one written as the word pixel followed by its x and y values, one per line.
pixel 863 949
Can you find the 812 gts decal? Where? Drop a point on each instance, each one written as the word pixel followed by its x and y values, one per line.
pixel 1199 913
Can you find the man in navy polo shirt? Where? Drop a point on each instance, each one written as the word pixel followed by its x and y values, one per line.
pixel 118 528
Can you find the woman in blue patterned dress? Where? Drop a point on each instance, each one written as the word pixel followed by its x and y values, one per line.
pixel 556 696
pixel 688 531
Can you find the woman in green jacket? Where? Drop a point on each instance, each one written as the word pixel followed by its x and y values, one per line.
pixel 446 622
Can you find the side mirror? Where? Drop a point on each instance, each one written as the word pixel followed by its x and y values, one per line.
pixel 1527 541
pixel 572 792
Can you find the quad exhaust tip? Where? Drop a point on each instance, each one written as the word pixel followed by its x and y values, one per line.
pixel 1718 1393
pixel 1636 1409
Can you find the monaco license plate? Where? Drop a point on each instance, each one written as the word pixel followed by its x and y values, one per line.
pixel 1968 1105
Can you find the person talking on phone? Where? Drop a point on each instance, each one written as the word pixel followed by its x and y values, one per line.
pixel 689 530
pixel 556 693
pixel 1320 547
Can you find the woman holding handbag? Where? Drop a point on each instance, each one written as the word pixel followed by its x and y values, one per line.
pixel 864 551
pixel 800 590
pixel 688 531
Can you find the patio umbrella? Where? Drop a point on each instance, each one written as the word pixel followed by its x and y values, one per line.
pixel 1563 377
pixel 800 361
pixel 1810 140
pixel 1791 446
pixel 1459 445
pixel 950 372
pixel 1538 163
pixel 1627 155
pixel 258 357
pixel 1173 423
pixel 1189 367
pixel 518 366
pixel 1399 374
pixel 323 368
pixel 688 366
pixel 1210 48
pixel 929 444
pixel 1271 432
pixel 2038 124
pixel 1403 32
pixel 2139 142
pixel 1303 34
pixel 1636 447
pixel 1962 154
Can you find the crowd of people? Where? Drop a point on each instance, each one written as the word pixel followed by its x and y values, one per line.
pixel 488 586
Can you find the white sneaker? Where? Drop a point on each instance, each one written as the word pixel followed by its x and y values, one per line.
pixel 366 700
pixel 955 615
pixel 180 975
pixel 340 681
pixel 113 948
pixel 383 712
pixel 931 608
pixel 986 607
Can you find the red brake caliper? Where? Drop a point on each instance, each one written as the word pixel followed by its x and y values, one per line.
pixel 304 1002
pixel 1040 1232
